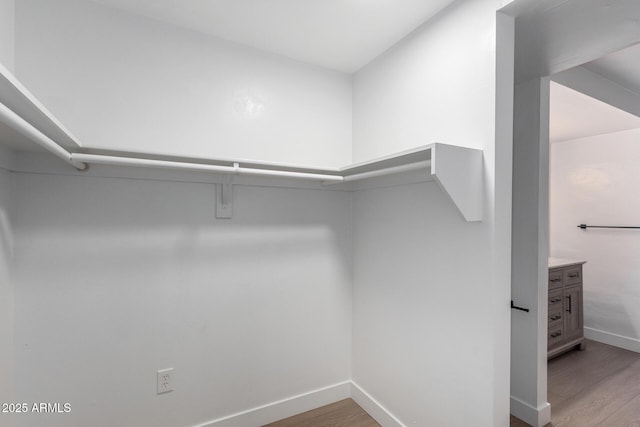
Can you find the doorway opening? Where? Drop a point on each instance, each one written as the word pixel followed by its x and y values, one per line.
pixel 550 38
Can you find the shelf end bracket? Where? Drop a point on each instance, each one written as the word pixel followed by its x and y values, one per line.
pixel 459 172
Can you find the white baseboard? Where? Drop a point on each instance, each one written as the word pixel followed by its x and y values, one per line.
pixel 294 405
pixel 537 417
pixel 615 340
pixel 373 408
pixel 284 408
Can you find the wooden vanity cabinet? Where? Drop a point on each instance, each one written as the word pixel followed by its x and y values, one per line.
pixel 565 314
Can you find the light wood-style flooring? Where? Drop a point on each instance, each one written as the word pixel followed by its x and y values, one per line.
pixel 599 386
pixel 345 413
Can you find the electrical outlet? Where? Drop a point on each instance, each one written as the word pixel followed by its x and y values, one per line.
pixel 165 380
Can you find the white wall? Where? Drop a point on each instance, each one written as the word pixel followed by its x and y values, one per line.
pixel 119 81
pixel 116 278
pixel 431 302
pixel 6 292
pixel 432 87
pixel 594 181
pixel 421 324
pixel 7 33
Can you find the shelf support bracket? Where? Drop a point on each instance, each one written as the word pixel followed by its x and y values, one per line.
pixel 459 172
pixel 224 199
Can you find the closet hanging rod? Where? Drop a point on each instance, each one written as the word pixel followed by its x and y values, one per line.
pixel 198 167
pixel 20 125
pixel 585 226
pixel 239 170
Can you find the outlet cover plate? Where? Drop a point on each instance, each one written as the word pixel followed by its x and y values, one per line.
pixel 164 380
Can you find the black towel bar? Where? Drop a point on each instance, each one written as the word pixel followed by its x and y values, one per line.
pixel 585 226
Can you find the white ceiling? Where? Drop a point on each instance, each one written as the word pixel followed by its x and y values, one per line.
pixel 340 34
pixel 575 115
pixel 622 67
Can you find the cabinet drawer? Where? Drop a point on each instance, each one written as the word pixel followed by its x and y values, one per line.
pixel 573 275
pixel 555 317
pixel 555 300
pixel 556 337
pixel 556 277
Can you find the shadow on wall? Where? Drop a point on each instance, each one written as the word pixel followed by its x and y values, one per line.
pixel 604 309
pixel 135 223
pixel 6 237
pixel 611 294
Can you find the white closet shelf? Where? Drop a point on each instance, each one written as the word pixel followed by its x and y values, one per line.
pixel 418 158
pixel 23 119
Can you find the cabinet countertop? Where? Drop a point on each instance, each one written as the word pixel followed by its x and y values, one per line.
pixel 563 262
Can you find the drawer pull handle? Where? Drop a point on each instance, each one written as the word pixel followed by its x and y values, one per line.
pixel 570 304
pixel 557 299
pixel 556 334
pixel 556 317
pixel 556 280
pixel 574 275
